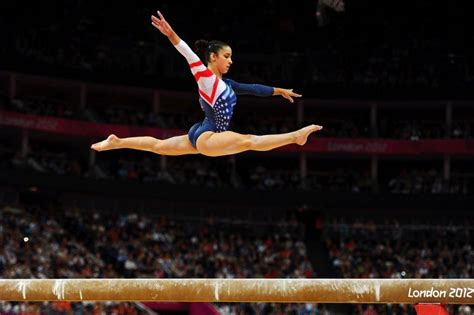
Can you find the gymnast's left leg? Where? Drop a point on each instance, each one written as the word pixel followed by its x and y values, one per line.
pixel 228 142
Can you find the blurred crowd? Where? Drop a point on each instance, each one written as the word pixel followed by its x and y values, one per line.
pixel 391 248
pixel 37 246
pixel 430 181
pixel 360 48
pixel 340 125
pixel 47 243
pixel 240 173
pixel 40 242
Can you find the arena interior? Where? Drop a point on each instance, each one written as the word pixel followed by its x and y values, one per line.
pixel 385 190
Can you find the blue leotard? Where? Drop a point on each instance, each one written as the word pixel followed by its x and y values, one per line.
pixel 217 96
pixel 218 117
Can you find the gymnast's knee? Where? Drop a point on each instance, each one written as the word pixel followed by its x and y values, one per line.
pixel 248 142
pixel 157 147
pixel 243 143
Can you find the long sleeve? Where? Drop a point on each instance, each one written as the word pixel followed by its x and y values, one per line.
pixel 187 52
pixel 250 89
pixel 197 66
pixel 207 81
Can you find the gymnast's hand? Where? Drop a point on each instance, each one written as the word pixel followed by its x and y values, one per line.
pixel 161 24
pixel 286 93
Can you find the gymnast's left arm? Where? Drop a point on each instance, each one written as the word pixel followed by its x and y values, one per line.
pixel 261 90
pixel 286 93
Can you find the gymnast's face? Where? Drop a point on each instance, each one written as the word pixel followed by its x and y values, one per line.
pixel 223 59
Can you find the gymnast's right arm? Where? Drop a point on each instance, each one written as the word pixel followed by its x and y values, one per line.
pixel 197 67
pixel 163 26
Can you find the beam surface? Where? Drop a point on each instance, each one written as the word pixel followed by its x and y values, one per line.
pixel 405 291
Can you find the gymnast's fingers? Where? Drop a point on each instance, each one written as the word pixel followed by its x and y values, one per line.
pixel 155 19
pixel 160 15
pixel 293 93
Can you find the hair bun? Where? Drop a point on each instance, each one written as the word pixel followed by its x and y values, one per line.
pixel 200 46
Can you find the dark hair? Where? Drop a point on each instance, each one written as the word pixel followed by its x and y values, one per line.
pixel 204 48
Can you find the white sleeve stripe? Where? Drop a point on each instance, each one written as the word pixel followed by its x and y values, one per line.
pixel 195 70
pixel 187 52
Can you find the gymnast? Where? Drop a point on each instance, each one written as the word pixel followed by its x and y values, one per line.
pixel 217 98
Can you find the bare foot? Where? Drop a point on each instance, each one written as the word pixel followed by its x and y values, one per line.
pixel 303 133
pixel 108 144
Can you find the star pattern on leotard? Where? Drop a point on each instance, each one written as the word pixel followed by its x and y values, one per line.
pixel 223 109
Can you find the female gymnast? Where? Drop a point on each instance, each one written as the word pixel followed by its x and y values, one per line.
pixel 217 98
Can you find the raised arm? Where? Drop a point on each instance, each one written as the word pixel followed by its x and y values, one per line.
pixel 206 80
pixel 164 27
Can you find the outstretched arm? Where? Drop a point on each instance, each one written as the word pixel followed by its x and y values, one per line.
pixel 261 90
pixel 286 93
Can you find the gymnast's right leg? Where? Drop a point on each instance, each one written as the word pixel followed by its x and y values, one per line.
pixel 179 145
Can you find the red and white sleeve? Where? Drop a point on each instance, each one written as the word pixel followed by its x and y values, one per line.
pixel 206 80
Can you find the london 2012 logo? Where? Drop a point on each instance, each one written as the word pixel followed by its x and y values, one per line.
pixel 434 293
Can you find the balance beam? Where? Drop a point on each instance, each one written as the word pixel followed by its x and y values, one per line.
pixel 400 291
